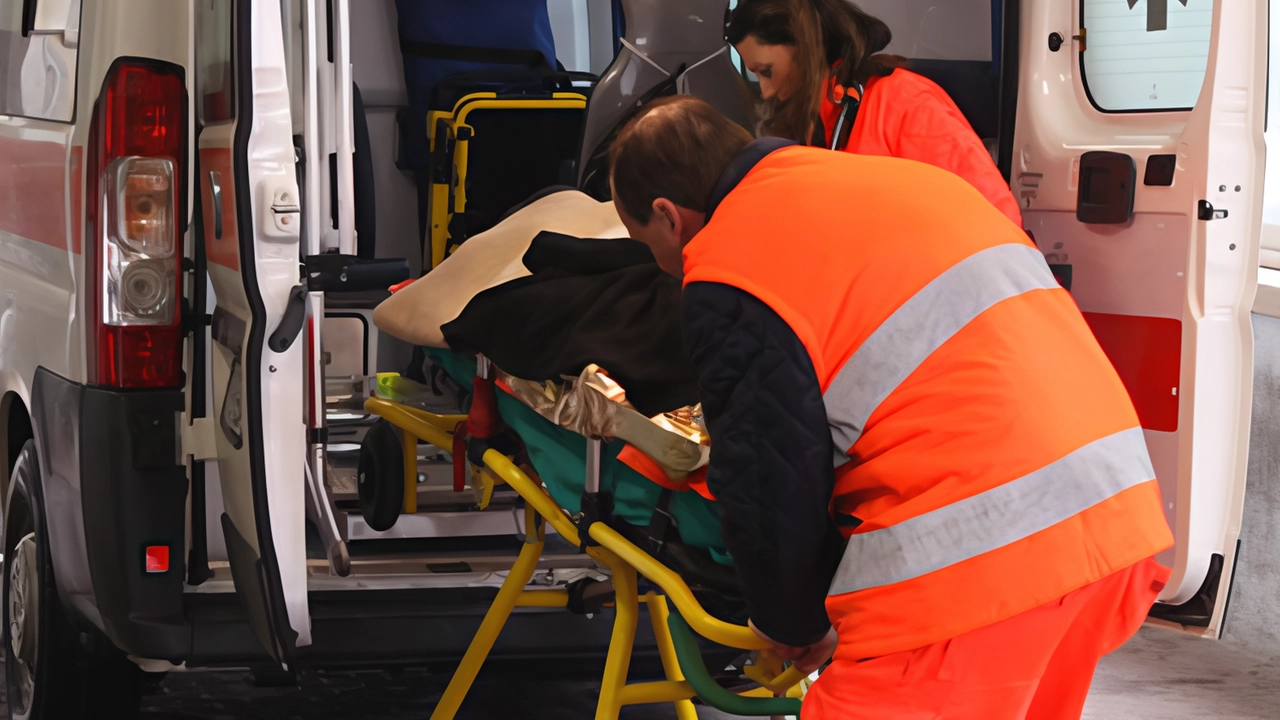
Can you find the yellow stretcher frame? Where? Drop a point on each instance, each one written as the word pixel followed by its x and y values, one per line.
pixel 441 212
pixel 625 562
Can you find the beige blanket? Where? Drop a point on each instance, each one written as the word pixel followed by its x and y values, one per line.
pixel 416 313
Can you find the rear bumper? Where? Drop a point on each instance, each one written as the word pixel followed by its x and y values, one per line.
pixel 112 487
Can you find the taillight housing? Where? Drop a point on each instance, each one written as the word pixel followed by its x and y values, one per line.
pixel 135 216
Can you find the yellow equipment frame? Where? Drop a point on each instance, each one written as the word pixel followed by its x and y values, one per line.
pixel 456 119
pixel 625 562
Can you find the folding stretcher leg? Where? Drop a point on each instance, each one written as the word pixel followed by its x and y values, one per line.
pixel 658 614
pixel 409 445
pixel 686 675
pixel 621 642
pixel 511 595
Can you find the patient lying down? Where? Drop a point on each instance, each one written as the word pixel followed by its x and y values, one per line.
pixel 552 294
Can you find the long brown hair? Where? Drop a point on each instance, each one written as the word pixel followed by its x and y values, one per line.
pixel 823 33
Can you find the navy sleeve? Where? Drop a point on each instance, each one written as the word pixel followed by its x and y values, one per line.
pixel 771 458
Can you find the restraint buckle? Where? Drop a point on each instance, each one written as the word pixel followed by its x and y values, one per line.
pixel 596 507
pixel 589 596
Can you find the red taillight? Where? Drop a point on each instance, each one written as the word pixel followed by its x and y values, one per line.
pixel 136 186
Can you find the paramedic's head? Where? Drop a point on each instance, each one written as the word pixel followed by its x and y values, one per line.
pixel 666 163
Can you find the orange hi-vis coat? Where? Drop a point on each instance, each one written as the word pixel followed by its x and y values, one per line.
pixel 905 115
pixel 980 435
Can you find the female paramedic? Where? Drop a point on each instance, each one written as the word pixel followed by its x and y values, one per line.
pixel 825 83
pixel 917 383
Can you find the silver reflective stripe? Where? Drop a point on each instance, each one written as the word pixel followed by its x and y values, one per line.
pixel 920 326
pixel 997 517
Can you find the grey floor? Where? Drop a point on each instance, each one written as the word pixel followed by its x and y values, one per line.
pixel 1165 675
pixel 1159 675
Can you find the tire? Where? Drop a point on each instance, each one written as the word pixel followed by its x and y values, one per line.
pixel 380 476
pixel 53 670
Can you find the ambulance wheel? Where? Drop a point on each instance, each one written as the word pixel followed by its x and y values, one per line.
pixel 53 669
pixel 380 476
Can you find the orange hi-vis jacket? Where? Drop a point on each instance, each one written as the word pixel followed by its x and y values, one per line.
pixel 908 116
pixel 988 459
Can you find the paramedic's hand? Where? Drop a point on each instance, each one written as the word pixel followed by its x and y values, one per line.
pixel 807 659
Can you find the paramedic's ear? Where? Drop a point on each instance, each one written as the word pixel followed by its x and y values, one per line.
pixel 669 229
pixel 681 222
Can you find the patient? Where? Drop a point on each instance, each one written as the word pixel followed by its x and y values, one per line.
pixel 552 289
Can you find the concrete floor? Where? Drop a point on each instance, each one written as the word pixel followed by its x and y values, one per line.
pixel 1159 675
pixel 1165 675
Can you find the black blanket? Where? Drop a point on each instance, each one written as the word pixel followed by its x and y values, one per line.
pixel 588 301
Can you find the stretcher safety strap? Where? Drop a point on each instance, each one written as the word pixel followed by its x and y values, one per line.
pixel 920 326
pixel 1000 516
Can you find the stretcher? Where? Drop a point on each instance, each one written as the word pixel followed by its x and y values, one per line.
pixel 675 611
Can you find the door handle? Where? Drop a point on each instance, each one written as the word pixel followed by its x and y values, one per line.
pixel 215 190
pixel 291 323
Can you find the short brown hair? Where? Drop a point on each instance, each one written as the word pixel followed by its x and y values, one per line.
pixel 675 148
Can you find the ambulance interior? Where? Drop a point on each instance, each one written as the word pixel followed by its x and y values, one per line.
pixel 1107 151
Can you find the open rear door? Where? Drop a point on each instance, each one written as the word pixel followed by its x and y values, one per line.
pixel 251 227
pixel 1138 159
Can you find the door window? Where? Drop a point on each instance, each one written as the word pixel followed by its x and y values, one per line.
pixel 215 61
pixel 1146 55
pixel 39 40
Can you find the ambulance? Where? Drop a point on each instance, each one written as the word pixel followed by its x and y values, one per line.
pixel 202 201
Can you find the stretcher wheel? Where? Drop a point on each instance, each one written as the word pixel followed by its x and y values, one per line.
pixel 380 476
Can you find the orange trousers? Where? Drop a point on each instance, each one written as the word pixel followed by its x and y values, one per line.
pixel 1037 665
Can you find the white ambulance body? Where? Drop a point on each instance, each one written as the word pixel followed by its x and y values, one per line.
pixel 171 390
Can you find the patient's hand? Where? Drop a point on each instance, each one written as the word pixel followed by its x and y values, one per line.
pixel 807 659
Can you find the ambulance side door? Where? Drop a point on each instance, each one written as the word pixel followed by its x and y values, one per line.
pixel 249 197
pixel 1138 162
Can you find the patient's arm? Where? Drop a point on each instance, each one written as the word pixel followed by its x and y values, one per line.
pixel 771 467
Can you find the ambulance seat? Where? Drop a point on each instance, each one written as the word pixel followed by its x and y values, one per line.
pixel 670 47
pixel 516 151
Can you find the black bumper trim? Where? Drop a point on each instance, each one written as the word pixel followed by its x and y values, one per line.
pixel 133 494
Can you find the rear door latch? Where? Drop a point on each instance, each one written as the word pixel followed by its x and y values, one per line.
pixel 1208 212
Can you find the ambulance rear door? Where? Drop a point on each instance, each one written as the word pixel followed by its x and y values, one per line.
pixel 250 205
pixel 1138 160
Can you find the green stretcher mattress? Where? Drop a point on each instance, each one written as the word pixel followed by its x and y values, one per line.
pixel 559 457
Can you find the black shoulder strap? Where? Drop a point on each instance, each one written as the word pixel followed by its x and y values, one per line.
pixel 844 122
pixel 662 522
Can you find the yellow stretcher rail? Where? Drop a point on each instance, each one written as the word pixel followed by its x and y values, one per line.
pixel 780 692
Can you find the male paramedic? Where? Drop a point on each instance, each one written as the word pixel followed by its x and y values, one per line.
pixel 883 356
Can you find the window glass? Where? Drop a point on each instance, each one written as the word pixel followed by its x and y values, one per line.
pixel 37 65
pixel 215 60
pixel 1150 56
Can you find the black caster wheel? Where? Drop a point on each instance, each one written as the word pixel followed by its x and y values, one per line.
pixel 380 476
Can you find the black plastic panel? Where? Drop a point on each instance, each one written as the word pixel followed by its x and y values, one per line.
pixel 1104 195
pixel 1062 273
pixel 1160 170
